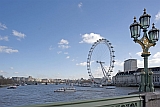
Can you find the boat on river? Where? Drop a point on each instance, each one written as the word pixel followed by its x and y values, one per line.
pixel 68 89
pixel 110 87
pixel 96 86
pixel 12 87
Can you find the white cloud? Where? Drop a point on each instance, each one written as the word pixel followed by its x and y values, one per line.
pixel 130 55
pixel 64 46
pixel 139 53
pixel 98 73
pixel 157 16
pixel 80 5
pixel 59 52
pixel 118 63
pixel 16 72
pixel 18 34
pixel 1 71
pixel 5 38
pixel 2 26
pixel 140 64
pixel 66 53
pixel 67 57
pixel 157 55
pixel 90 38
pixel 155 61
pixel 63 42
pixel 5 49
pixel 82 64
pixel 51 47
pixel 11 68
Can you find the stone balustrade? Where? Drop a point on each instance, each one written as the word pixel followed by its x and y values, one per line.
pixel 150 99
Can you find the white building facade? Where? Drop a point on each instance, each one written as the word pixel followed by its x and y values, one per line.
pixel 131 75
pixel 132 78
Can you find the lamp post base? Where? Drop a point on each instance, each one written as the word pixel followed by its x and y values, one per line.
pixel 148 89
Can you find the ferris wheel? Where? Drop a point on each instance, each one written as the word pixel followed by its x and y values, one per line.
pixel 100 61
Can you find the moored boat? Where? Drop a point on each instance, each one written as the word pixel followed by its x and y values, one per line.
pixel 12 87
pixel 68 89
pixel 96 86
pixel 110 87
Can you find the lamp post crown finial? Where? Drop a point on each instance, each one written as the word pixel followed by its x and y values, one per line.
pixel 134 19
pixel 153 25
pixel 144 11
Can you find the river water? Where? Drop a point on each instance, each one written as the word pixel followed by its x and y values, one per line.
pixel 41 94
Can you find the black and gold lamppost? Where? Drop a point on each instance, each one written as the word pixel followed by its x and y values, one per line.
pixel 146 42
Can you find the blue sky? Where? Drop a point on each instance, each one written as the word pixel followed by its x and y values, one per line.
pixel 45 38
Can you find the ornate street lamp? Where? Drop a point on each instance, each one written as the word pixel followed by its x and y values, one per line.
pixel 135 29
pixel 153 34
pixel 146 42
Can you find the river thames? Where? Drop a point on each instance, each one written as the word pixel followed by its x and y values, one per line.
pixel 41 94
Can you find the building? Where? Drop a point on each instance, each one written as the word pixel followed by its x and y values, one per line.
pixel 16 78
pixel 44 80
pixel 1 77
pixel 30 78
pixel 131 74
pixel 23 79
pixel 132 78
pixel 130 65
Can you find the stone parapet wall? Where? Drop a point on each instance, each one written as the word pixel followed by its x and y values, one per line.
pixel 151 99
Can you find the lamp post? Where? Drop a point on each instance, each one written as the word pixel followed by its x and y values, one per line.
pixel 146 42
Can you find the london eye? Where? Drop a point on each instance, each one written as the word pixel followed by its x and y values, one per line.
pixel 100 61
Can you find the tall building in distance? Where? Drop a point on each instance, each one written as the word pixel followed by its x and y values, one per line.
pixel 130 65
